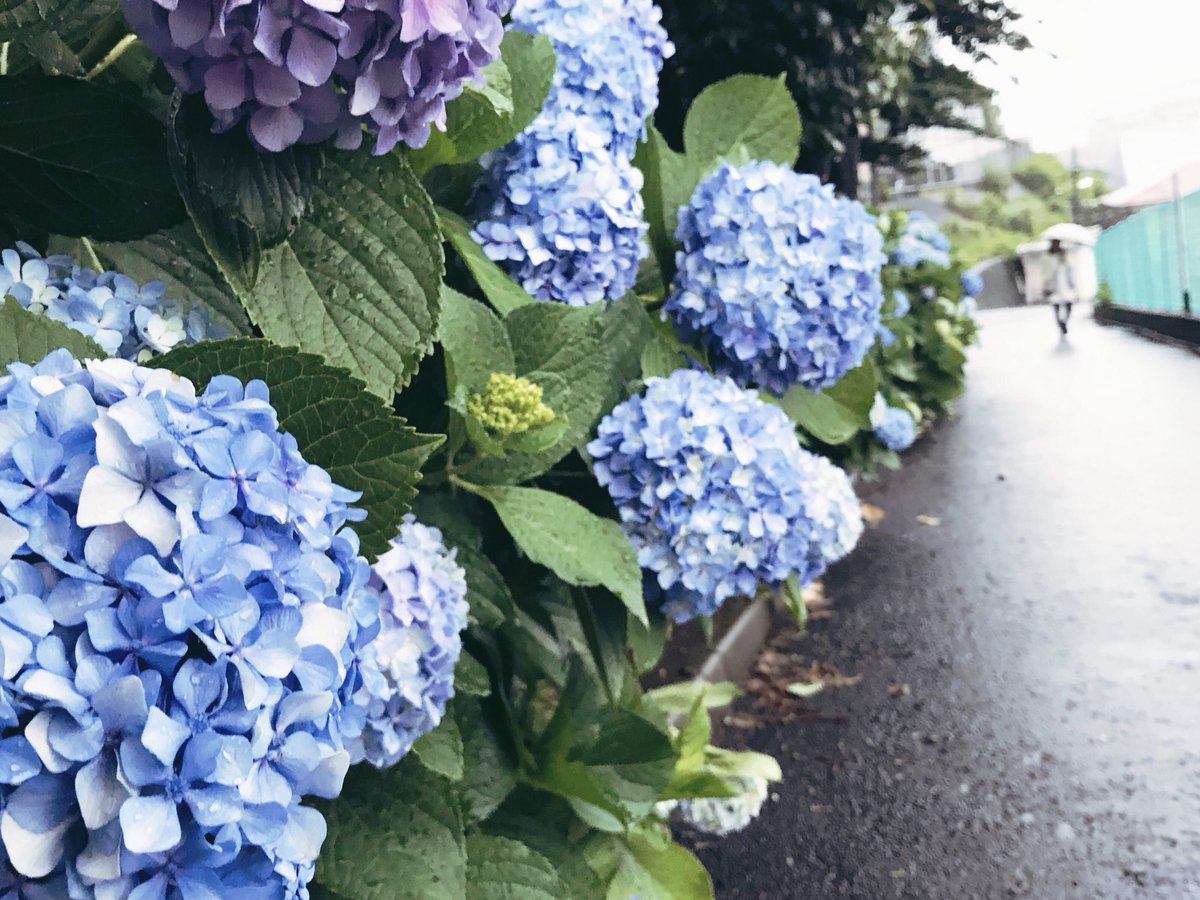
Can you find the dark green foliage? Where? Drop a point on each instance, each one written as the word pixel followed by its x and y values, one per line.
pixel 831 53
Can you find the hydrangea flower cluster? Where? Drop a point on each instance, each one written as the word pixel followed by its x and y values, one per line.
pixel 972 283
pixel 894 427
pixel 126 319
pixel 921 242
pixel 560 208
pixel 779 279
pixel 185 630
pixel 304 71
pixel 423 611
pixel 610 53
pixel 835 513
pixel 715 492
pixel 722 816
pixel 510 405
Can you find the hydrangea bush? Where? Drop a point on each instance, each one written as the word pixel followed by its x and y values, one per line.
pixel 350 595
pixel 921 242
pixel 928 324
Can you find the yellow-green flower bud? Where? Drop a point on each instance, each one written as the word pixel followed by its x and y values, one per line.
pixel 510 405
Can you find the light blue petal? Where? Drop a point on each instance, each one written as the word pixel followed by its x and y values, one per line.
pixel 150 824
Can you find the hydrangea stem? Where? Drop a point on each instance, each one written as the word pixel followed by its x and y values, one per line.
pixel 112 56
pixel 92 256
pixel 4 57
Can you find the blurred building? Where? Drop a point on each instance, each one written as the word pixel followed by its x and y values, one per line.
pixel 1143 144
pixel 957 159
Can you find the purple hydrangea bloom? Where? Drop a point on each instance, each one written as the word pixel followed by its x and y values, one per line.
pixel 304 71
pixel 423 611
pixel 894 427
pixel 126 319
pixel 779 279
pixel 560 208
pixel 921 242
pixel 185 629
pixel 716 494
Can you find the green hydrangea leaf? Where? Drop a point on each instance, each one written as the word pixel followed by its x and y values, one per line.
pixel 475 341
pixel 359 280
pixel 838 413
pixel 396 834
pixel 648 864
pixel 78 159
pixel 670 179
pixel 577 545
pixel 490 774
pixel 500 868
pixel 750 114
pixel 441 750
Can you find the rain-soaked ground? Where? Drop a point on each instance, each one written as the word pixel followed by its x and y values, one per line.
pixel 1025 622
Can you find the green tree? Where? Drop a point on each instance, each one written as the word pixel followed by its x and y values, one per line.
pixel 1043 176
pixel 862 71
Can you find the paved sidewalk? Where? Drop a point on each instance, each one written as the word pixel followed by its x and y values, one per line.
pixel 1047 633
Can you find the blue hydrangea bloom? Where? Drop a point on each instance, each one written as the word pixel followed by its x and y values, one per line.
pixel 126 319
pixel 894 427
pixel 609 55
pixel 560 207
pixel 779 279
pixel 972 283
pixel 423 611
pixel 835 513
pixel 303 71
pixel 185 630
pixel 565 221
pixel 903 305
pixel 921 242
pixel 715 492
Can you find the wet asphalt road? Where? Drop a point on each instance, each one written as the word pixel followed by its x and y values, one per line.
pixel 1049 635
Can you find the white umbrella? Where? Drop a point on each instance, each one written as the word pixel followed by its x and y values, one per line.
pixel 1067 233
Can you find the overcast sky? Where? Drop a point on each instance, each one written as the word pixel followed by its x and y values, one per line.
pixel 1090 58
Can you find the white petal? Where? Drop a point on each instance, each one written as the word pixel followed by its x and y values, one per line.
pixel 106 496
pixel 33 855
pixel 99 792
pixel 37 733
pixel 150 824
pixel 325 626
pixel 12 536
pixel 153 521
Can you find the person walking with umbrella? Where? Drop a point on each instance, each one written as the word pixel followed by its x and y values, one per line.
pixel 1060 287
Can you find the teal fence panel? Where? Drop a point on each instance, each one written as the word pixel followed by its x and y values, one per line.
pixel 1139 258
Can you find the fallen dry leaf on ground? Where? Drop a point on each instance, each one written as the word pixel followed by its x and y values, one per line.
pixel 805 689
pixel 872 514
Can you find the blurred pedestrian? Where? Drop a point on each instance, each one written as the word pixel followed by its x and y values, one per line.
pixel 1059 283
